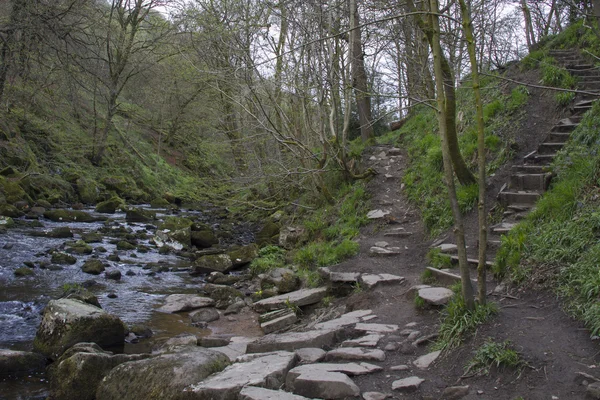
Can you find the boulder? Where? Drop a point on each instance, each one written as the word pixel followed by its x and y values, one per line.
pixel 66 322
pixel 224 296
pixel 436 296
pixel 58 257
pixel 292 236
pixel 283 278
pixel 204 315
pixel 243 255
pixel 133 214
pixel 185 302
pixel 62 232
pixel 93 266
pixel 269 234
pixel 23 271
pixel 77 374
pixel 210 263
pixel 291 341
pixel 258 393
pixel 61 215
pixel 321 383
pixel 163 377
pixel 16 363
pixel 203 239
pixel 268 371
pixel 87 190
pixel 159 202
pixel 109 206
pixel 298 298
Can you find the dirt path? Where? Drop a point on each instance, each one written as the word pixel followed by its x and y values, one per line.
pixel 554 347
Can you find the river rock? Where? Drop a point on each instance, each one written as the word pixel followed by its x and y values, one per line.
pixel 66 322
pixel 203 239
pixel 204 315
pixel 184 302
pixel 291 341
pixel 243 255
pixel 62 215
pixel 258 393
pixel 93 266
pixel 78 372
pixel 114 275
pixel 210 263
pixel 23 271
pixel 283 278
pixel 109 206
pixel 133 214
pixel 268 371
pixel 62 232
pixel 269 234
pixel 298 298
pixel 58 257
pixel 17 363
pixel 292 236
pixel 163 377
pixel 224 296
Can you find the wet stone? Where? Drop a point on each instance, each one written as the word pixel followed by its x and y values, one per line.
pixel 185 302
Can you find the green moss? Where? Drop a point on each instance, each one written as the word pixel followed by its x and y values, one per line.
pixel 24 271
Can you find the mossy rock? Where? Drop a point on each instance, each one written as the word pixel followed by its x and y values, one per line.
pixel 92 237
pixel 49 187
pixel 210 263
pixel 269 234
pixel 62 232
pixel 79 247
pixel 8 210
pixel 87 190
pixel 109 206
pixel 200 226
pixel 203 239
pixel 59 257
pixel 93 266
pixel 43 203
pixel 76 291
pixel 175 223
pixel 119 184
pixel 159 202
pixel 12 191
pixel 124 245
pixel 62 215
pixel 244 255
pixel 138 215
pixel 223 295
pixel 23 271
pixel 6 222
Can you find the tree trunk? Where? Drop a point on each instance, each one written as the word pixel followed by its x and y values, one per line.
pixel 440 78
pixel 529 36
pixel 359 76
pixel 482 216
pixel 596 8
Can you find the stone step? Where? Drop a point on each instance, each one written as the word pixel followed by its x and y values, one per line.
pixel 583 72
pixel 535 158
pixel 581 108
pixel 503 228
pixel 580 67
pixel 494 244
pixel 298 298
pixel 589 78
pixel 529 169
pixel 557 137
pixel 508 198
pixel 448 277
pixel 589 86
pixel 565 126
pixel 549 148
pixel 538 182
pixel 473 262
pixel 520 207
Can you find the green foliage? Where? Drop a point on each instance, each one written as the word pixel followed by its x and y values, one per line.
pixel 553 75
pixel 419 302
pixel 565 98
pixel 269 258
pixel 582 35
pixel 533 59
pixel 458 322
pixel 437 259
pixel 322 254
pixel 427 277
pixel 493 354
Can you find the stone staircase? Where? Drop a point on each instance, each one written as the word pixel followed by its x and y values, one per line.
pixel 530 179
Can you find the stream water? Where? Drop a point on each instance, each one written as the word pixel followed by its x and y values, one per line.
pixel 133 298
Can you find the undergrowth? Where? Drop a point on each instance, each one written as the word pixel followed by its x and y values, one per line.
pixel 419 136
pixel 493 355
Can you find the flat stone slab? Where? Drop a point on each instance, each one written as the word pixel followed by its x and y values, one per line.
pixel 310 355
pixel 355 354
pixel 425 361
pixel 351 369
pixel 291 341
pixel 237 347
pixel 436 296
pixel 381 244
pixel 376 328
pixel 325 385
pixel 377 214
pixel 398 232
pixel 258 393
pixel 375 396
pixel 344 277
pixel 383 252
pixel 184 302
pixel 364 341
pixel 268 372
pixel 407 385
pixel 298 298
pixel 371 280
pixel 447 247
pixel 279 323
pixel 347 319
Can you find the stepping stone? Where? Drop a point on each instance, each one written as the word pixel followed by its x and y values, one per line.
pixel 377 214
pixel 376 328
pixel 365 341
pixel 268 371
pixel 184 302
pixel 351 369
pixel 503 227
pixel 321 384
pixel 425 361
pixel 436 296
pixel 344 277
pixel 257 393
pixel 394 151
pixel 298 298
pixel 447 248
pixel 237 347
pixel 279 323
pixel 455 392
pixel 271 315
pixel 347 319
pixel 291 341
pixel 400 368
pixel 371 280
pixel 382 244
pixel 398 232
pixel 310 355
pixel 375 396
pixel 380 251
pixel 355 354
pixel 407 385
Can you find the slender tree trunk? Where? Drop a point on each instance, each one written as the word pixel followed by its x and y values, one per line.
pixel 529 36
pixel 596 8
pixel 359 76
pixel 440 78
pixel 481 207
